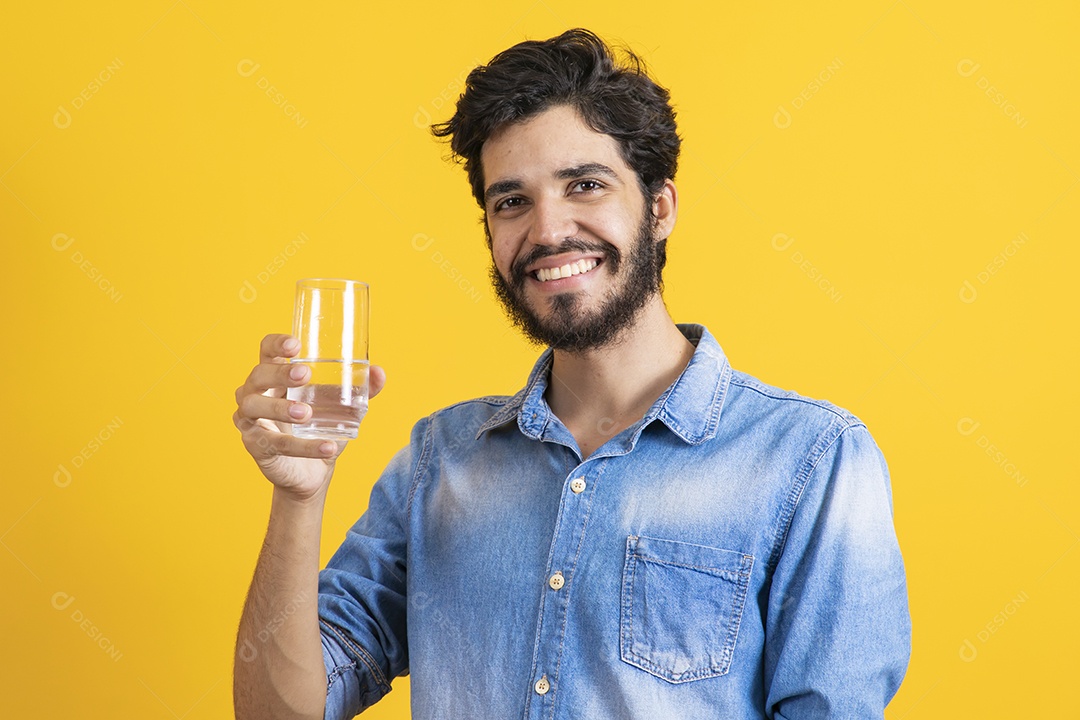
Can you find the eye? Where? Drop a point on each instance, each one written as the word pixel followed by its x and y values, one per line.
pixel 508 203
pixel 587 186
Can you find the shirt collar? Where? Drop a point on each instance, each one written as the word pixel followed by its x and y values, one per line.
pixel 690 407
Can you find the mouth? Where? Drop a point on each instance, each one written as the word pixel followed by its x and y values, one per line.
pixel 578 267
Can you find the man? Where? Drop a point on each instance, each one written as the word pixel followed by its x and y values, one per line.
pixel 640 532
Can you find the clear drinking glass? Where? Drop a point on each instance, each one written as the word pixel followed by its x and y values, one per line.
pixel 331 322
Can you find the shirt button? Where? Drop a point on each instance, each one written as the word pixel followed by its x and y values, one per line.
pixel 577 485
pixel 542 686
pixel 556 581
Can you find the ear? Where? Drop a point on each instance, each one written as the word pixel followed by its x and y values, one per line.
pixel 665 209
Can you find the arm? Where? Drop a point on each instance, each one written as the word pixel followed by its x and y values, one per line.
pixel 278 666
pixel 838 633
pixel 278 669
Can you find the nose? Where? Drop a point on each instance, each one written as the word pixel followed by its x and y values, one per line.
pixel 552 222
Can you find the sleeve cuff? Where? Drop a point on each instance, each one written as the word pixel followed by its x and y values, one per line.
pixel 354 681
pixel 342 685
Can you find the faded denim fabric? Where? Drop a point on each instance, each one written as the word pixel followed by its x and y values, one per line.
pixel 730 556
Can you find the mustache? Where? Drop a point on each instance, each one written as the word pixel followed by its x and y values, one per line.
pixel 609 252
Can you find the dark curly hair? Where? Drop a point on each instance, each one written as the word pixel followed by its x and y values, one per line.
pixel 613 96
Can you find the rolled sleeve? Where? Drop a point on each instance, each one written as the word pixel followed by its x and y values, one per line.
pixel 342 683
pixel 363 591
pixel 838 633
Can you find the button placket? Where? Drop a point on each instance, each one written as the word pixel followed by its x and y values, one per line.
pixel 570 527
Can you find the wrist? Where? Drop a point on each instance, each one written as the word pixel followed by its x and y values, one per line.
pixel 291 501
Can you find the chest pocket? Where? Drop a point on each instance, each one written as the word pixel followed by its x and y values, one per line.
pixel 681 607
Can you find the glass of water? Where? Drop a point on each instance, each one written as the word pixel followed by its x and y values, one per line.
pixel 331 322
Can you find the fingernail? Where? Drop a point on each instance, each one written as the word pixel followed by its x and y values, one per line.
pixel 327 448
pixel 291 345
pixel 297 411
pixel 298 372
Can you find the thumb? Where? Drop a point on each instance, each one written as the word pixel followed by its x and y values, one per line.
pixel 376 380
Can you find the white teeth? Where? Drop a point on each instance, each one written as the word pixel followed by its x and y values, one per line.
pixel 575 268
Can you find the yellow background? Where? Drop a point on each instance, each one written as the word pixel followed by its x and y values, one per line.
pixel 152 236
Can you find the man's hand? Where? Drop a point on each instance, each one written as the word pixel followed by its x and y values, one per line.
pixel 300 467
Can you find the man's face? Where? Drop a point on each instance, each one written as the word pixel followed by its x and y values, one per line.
pixel 573 241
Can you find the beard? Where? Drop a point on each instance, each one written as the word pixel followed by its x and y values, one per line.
pixel 569 326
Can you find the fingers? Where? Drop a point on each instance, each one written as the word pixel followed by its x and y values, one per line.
pixel 274 348
pixel 258 407
pixel 265 442
pixel 261 397
pixel 266 376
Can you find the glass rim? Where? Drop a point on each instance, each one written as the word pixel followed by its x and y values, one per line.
pixel 344 281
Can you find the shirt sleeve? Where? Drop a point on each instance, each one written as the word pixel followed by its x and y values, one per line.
pixel 838 631
pixel 362 593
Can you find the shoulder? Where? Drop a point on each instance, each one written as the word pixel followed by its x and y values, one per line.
pixel 787 421
pixel 830 440
pixel 449 431
pixel 466 419
pixel 465 410
pixel 750 394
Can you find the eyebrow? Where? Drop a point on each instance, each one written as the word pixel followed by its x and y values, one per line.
pixel 585 169
pixel 503 186
pixel 570 173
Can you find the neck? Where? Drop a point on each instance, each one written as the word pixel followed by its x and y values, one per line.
pixel 599 393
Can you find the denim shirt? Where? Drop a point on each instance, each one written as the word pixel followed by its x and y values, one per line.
pixel 732 555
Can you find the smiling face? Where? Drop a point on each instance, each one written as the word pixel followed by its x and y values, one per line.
pixel 573 241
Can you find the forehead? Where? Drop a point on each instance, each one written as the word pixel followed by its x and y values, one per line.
pixel 538 147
